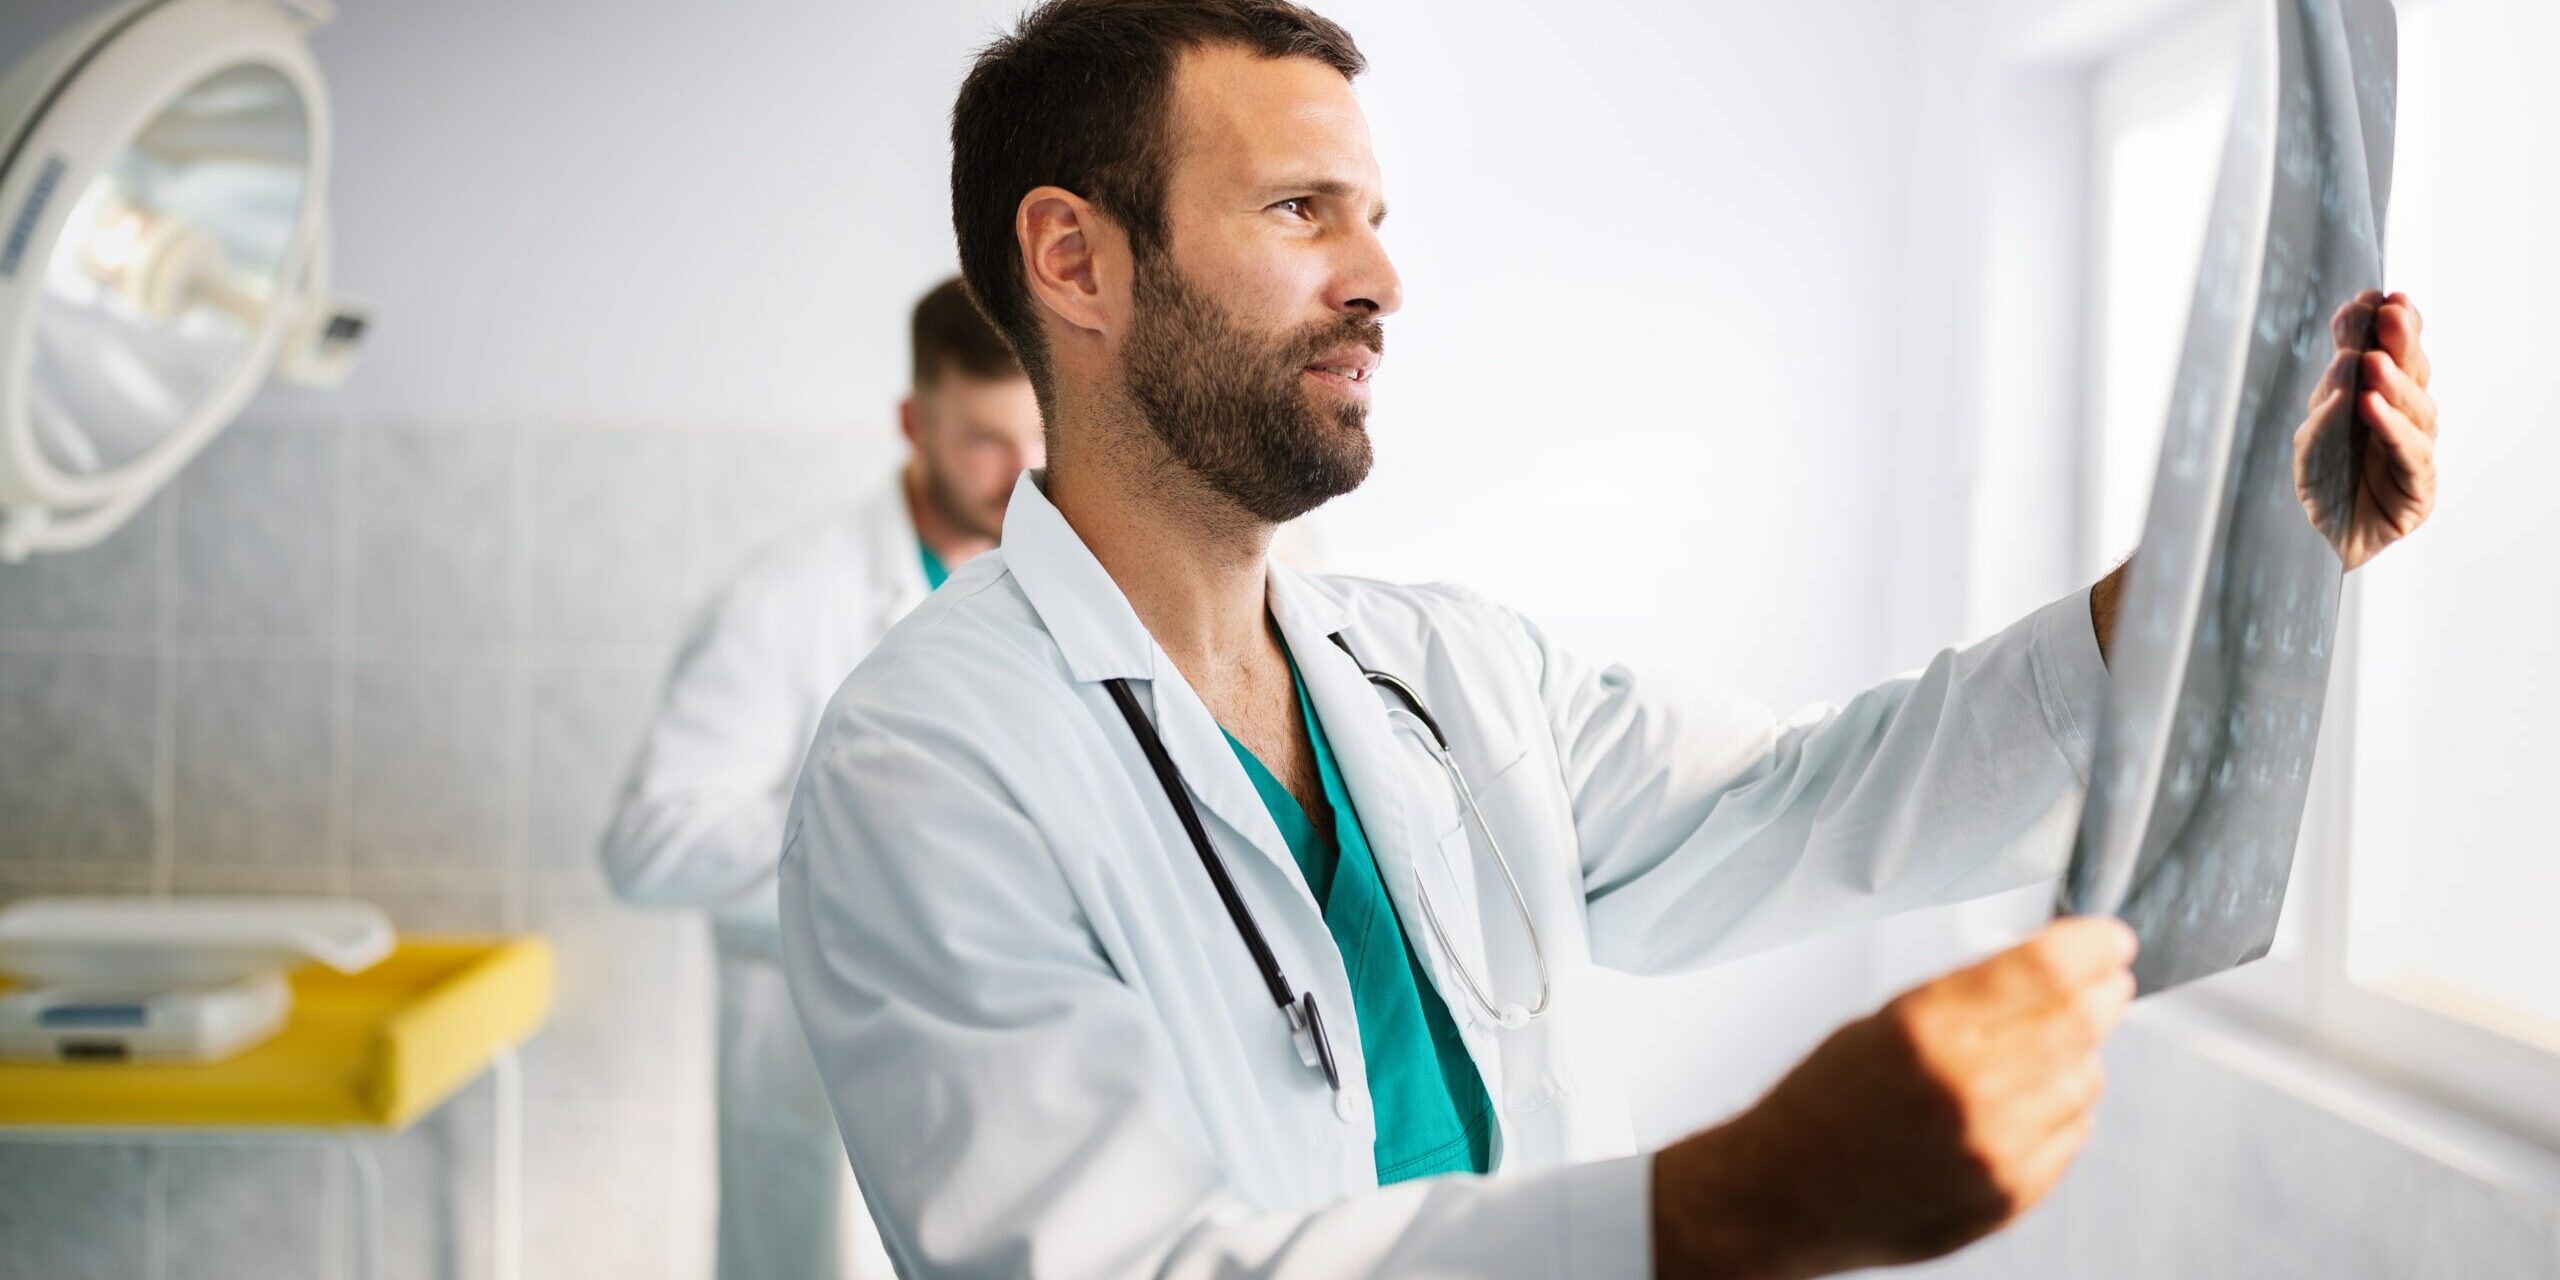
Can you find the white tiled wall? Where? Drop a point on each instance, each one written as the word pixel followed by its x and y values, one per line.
pixel 408 663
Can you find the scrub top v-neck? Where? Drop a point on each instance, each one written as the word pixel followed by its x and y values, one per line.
pixel 1432 1110
pixel 934 572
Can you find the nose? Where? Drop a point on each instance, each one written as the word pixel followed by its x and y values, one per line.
pixel 1366 279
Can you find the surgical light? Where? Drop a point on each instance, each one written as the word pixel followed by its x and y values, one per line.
pixel 163 248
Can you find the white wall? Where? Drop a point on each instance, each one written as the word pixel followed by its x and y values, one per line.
pixel 1646 385
pixel 1641 383
pixel 642 214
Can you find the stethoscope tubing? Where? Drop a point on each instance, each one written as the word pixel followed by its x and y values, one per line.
pixel 1306 1024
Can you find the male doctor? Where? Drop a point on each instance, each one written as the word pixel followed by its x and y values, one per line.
pixel 700 822
pixel 1090 846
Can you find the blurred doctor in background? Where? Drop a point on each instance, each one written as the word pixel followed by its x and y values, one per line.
pixel 700 819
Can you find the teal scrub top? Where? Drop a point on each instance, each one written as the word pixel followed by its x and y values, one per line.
pixel 1433 1113
pixel 934 574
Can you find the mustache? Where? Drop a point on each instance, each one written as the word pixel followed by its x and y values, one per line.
pixel 1330 336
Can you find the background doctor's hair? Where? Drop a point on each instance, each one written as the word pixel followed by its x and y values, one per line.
pixel 1077 97
pixel 947 334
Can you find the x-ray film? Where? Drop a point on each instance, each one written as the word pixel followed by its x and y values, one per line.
pixel 2220 658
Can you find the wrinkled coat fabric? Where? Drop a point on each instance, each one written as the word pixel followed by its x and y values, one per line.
pixel 1051 1056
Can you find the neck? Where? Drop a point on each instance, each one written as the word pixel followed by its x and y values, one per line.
pixel 951 542
pixel 1188 559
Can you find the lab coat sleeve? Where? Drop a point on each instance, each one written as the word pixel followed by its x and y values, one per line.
pixel 1709 827
pixel 1011 1104
pixel 699 822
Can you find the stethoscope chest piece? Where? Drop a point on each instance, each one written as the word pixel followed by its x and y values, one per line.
pixel 1306 1030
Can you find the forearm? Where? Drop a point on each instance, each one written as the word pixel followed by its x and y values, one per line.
pixel 1708 1220
pixel 703 847
pixel 1725 1205
pixel 1711 829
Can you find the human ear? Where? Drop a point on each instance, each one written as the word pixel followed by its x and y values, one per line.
pixel 1072 257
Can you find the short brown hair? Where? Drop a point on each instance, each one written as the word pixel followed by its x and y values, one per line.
pixel 948 333
pixel 1077 97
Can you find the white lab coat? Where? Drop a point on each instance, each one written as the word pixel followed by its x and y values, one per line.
pixel 700 826
pixel 1049 1051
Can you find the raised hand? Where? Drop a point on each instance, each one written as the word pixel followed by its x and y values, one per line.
pixel 1909 1133
pixel 2377 379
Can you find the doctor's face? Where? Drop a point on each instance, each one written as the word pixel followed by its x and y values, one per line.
pixel 974 436
pixel 1256 327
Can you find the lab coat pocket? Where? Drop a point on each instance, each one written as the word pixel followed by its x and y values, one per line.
pixel 1471 855
pixel 1467 883
pixel 1450 895
pixel 1454 890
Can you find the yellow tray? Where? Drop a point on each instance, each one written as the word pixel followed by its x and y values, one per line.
pixel 375 1049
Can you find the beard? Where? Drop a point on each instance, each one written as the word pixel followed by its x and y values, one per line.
pixel 1232 405
pixel 979 520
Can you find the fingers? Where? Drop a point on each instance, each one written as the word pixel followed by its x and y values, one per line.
pixel 2341 370
pixel 1962 1102
pixel 2036 1175
pixel 2327 408
pixel 2045 1073
pixel 2074 1024
pixel 2407 458
pixel 2410 449
pixel 2059 960
pixel 2396 325
pixel 2350 326
pixel 2385 375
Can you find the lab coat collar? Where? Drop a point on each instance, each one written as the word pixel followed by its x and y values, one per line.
pixel 1305 605
pixel 1101 638
pixel 1091 621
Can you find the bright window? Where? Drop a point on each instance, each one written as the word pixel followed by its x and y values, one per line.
pixel 2422 934
pixel 2456 887
pixel 2160 117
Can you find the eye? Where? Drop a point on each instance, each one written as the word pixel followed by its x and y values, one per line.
pixel 1297 206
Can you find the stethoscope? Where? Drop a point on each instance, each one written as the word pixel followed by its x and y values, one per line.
pixel 1306 1022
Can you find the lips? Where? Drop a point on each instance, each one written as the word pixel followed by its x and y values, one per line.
pixel 1351 364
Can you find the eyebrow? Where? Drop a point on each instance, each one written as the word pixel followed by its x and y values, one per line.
pixel 1333 189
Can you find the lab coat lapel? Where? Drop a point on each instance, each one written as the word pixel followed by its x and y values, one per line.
pixel 1216 778
pixel 1392 782
pixel 1101 638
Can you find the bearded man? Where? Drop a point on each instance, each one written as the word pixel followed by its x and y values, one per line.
pixel 1154 909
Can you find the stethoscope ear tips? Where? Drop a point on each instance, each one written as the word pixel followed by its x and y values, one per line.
pixel 1512 1017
